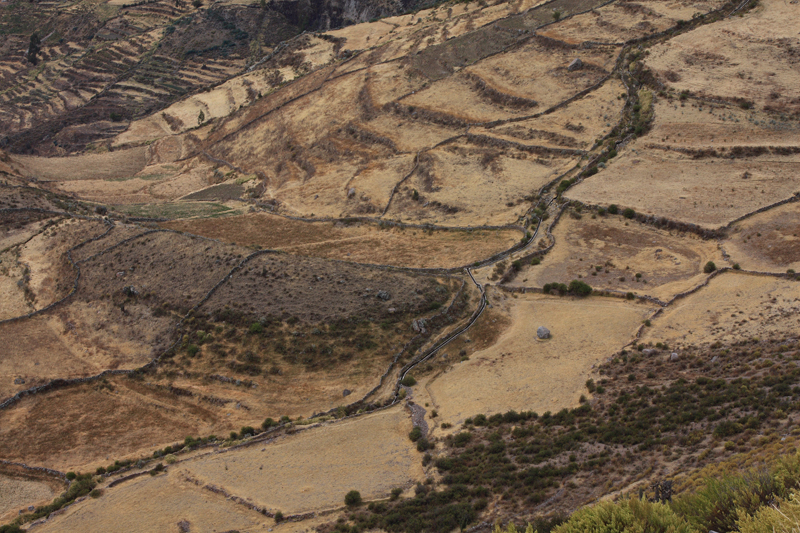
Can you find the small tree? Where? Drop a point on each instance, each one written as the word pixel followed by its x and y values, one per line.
pixel 710 267
pixel 201 117
pixel 352 498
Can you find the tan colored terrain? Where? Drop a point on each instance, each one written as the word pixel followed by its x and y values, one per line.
pixel 313 470
pixel 768 241
pixel 706 187
pixel 358 242
pixel 156 504
pixel 16 494
pixel 195 123
pixel 737 61
pixel 610 252
pixel 734 307
pixel 521 372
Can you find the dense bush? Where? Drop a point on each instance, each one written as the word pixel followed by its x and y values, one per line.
pixel 352 498
pixel 627 516
pixel 579 288
pixel 710 267
pixel 408 381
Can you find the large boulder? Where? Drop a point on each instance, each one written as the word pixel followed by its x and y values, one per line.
pixel 543 332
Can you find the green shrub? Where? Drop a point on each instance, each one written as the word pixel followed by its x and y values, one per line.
pixel 352 498
pixel 424 444
pixel 723 501
pixel 192 350
pixel 96 493
pixel 408 381
pixel 627 516
pixel 71 476
pixel 579 288
pixel 728 428
pixel 256 327
pixel 781 517
pixel 710 267
pixel 613 209
pixel 170 459
pixel 415 434
pixel 268 423
pixel 629 213
pixel 278 517
pixel 246 431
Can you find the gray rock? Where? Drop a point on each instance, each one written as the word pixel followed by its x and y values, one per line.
pixel 184 526
pixel 347 392
pixel 19 381
pixel 674 356
pixel 383 295
pixel 649 351
pixel 575 65
pixel 714 359
pixel 543 332
pixel 351 193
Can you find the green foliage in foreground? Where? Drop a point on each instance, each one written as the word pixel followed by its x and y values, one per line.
pixel 757 501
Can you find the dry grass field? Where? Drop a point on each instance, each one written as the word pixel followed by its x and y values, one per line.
pixel 611 252
pixel 738 61
pixel 357 242
pixel 211 136
pixel 18 493
pixel 162 503
pixel 690 181
pixel 734 307
pixel 466 184
pixel 109 165
pixel 522 372
pixel 767 242
pixel 623 21
pixel 86 426
pixel 575 126
pixel 314 469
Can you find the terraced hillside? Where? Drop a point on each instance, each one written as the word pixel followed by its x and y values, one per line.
pixel 475 262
